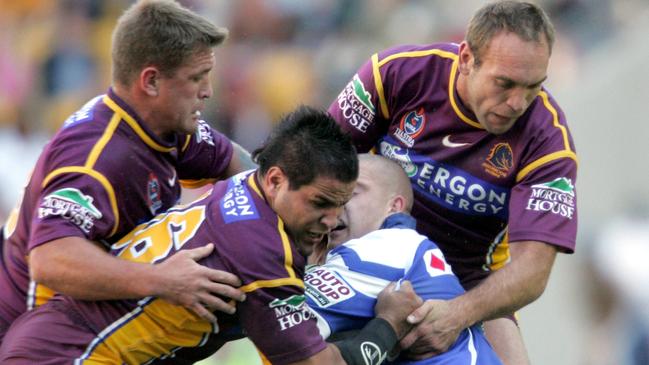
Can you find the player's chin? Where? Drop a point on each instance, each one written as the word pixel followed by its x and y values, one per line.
pixel 308 241
pixel 336 238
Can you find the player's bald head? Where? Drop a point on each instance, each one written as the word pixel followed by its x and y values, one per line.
pixel 388 175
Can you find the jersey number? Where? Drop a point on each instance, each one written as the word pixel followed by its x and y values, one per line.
pixel 154 240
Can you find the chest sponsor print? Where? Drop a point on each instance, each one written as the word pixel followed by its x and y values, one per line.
pixel 449 186
pixel 326 287
pixel 556 197
pixel 291 311
pixel 70 204
pixel 356 105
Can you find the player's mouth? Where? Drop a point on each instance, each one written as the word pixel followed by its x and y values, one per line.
pixel 196 114
pixel 340 226
pixel 316 237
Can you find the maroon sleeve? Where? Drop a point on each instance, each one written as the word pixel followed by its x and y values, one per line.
pixel 357 109
pixel 72 204
pixel 205 154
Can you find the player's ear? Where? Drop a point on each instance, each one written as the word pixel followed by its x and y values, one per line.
pixel 150 81
pixel 465 58
pixel 273 181
pixel 397 204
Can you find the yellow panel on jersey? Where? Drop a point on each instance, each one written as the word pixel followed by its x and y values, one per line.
pixel 38 295
pixel 151 331
pixel 195 184
pixel 154 240
pixel 499 254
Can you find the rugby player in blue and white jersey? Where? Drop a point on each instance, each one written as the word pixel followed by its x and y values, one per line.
pixel 374 244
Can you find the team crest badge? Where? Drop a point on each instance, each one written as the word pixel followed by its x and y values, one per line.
pixel 500 160
pixel 154 195
pixel 411 126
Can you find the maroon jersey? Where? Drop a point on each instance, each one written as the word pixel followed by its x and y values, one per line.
pixel 250 242
pixel 101 175
pixel 474 191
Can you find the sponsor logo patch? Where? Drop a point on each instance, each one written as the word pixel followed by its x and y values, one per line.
pixel 556 196
pixel 291 311
pixel 204 133
pixel 435 263
pixel 326 287
pixel 449 186
pixel 356 105
pixel 411 126
pixel 154 196
pixel 84 114
pixel 500 160
pixel 372 354
pixel 399 155
pixel 70 204
pixel 237 204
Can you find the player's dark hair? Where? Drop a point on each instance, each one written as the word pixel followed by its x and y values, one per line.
pixel 159 33
pixel 307 144
pixel 526 20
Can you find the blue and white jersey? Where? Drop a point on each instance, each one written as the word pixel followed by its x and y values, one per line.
pixel 343 291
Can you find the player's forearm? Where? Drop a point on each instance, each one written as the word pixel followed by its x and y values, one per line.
pixel 511 288
pixel 81 269
pixel 241 161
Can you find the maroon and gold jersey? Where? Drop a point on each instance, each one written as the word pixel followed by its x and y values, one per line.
pixel 474 191
pixel 250 242
pixel 100 176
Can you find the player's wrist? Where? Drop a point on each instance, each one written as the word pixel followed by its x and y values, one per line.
pixel 371 345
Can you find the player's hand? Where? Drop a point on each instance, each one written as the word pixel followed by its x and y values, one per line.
pixel 434 330
pixel 196 287
pixel 395 303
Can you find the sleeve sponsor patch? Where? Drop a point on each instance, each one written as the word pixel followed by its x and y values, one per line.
pixel 356 105
pixel 204 133
pixel 70 204
pixel 237 204
pixel 84 114
pixel 291 311
pixel 556 197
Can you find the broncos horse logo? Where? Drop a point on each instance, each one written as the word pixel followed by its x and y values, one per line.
pixel 500 160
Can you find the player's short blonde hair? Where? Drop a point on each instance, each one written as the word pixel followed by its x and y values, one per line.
pixel 159 33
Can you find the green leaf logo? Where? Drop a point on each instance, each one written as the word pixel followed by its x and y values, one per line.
pixel 561 184
pixel 75 196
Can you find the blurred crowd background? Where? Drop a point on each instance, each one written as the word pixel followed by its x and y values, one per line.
pixel 55 55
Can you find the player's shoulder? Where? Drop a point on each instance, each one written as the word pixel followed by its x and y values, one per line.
pixel 239 212
pixel 545 128
pixel 394 247
pixel 406 51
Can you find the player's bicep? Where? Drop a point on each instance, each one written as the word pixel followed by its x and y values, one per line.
pixel 358 107
pixel 74 204
pixel 280 324
pixel 544 204
pixel 206 154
